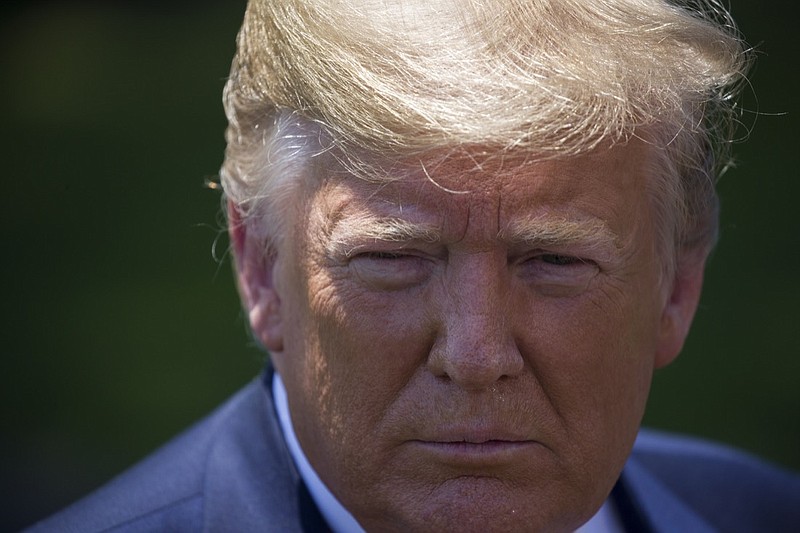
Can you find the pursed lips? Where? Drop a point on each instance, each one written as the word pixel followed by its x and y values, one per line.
pixel 476 446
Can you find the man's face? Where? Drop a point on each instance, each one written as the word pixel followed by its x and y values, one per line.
pixel 479 358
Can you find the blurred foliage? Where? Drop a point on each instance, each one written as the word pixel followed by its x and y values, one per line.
pixel 121 326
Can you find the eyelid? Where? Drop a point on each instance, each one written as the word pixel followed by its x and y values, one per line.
pixel 380 254
pixel 553 279
pixel 569 259
pixel 590 253
pixel 411 248
pixel 404 271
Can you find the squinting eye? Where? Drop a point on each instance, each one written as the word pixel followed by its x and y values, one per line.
pixel 560 260
pixel 555 274
pixel 382 255
pixel 389 271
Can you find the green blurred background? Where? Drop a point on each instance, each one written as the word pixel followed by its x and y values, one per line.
pixel 120 327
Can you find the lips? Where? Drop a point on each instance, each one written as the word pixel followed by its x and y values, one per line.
pixel 476 447
pixel 474 434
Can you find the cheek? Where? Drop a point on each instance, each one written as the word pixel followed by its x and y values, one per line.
pixel 593 358
pixel 372 356
pixel 370 337
pixel 358 353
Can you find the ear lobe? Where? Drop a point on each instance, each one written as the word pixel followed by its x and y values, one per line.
pixel 254 266
pixel 680 306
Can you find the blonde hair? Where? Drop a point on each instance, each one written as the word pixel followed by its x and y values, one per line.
pixel 550 78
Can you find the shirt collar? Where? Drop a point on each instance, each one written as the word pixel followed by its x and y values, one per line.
pixel 337 517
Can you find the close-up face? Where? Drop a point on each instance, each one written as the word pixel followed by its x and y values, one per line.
pixel 474 346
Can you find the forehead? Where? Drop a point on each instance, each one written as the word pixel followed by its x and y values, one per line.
pixel 493 191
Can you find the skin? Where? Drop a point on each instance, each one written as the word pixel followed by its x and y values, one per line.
pixel 462 359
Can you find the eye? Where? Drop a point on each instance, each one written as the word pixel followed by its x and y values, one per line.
pixel 560 260
pixel 382 255
pixel 557 274
pixel 390 270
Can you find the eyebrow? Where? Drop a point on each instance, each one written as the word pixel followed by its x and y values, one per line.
pixel 343 238
pixel 550 230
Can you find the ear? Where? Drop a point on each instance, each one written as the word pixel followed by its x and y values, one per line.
pixel 680 306
pixel 254 264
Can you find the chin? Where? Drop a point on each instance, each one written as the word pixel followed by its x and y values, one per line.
pixel 486 504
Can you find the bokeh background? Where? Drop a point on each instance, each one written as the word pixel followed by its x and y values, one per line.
pixel 120 322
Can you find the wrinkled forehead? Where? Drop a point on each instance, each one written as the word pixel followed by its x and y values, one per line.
pixel 495 190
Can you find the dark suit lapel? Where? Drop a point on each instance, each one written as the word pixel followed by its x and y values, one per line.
pixel 658 507
pixel 631 516
pixel 310 517
pixel 251 484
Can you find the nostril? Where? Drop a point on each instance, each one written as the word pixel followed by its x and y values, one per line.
pixel 474 370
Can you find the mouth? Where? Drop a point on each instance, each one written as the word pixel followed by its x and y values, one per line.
pixel 476 451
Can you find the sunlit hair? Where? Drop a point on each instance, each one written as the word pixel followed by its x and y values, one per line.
pixel 359 81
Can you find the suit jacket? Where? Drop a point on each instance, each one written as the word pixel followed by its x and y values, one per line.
pixel 233 472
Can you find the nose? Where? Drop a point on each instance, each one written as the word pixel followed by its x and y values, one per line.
pixel 475 346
